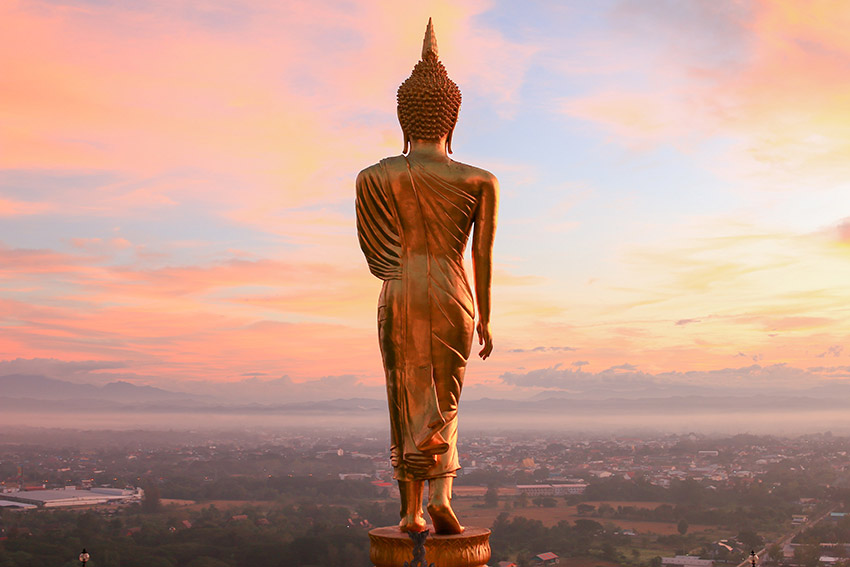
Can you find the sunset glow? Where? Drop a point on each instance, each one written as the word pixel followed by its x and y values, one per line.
pixel 177 188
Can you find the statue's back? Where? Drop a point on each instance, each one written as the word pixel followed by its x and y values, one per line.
pixel 415 214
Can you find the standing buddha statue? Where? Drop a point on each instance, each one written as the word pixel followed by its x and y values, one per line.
pixel 415 213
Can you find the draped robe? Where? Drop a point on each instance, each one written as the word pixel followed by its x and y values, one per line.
pixel 413 227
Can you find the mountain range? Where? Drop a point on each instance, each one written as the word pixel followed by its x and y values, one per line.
pixel 35 392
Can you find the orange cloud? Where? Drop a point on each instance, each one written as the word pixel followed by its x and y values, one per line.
pixel 240 113
pixel 212 321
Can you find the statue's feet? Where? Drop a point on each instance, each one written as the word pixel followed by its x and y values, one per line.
pixel 412 523
pixel 445 521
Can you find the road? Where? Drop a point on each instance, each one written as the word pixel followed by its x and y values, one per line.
pixel 787 537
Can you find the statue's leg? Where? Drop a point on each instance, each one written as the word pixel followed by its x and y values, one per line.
pixel 412 519
pixel 440 507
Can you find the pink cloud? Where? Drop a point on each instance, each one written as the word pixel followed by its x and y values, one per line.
pixel 772 77
pixel 10 208
pixel 187 343
pixel 260 116
pixel 101 244
pixel 843 231
pixel 188 322
pixel 243 113
pixel 257 115
pixel 18 261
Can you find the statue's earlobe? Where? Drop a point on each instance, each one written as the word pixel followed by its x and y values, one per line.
pixel 449 141
pixel 406 143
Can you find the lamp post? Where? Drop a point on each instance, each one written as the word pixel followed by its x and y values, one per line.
pixel 84 557
pixel 753 558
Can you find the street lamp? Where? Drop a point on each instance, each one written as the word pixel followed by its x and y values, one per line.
pixel 84 557
pixel 753 558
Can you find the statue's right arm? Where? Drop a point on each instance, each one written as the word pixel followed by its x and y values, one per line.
pixel 482 258
pixel 376 230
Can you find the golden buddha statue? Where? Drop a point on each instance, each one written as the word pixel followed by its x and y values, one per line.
pixel 415 213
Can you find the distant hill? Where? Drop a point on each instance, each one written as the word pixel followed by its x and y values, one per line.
pixel 30 392
pixel 35 387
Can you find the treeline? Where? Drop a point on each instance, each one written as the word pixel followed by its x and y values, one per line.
pixel 618 488
pixel 283 536
pixel 524 538
pixel 729 516
pixel 328 490
pixel 831 532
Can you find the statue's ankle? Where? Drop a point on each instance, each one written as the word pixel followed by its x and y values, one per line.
pixel 444 519
pixel 412 523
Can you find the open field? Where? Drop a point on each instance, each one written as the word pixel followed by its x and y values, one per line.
pixel 585 562
pixel 615 503
pixel 220 504
pixel 471 515
pixel 470 491
pixel 467 507
pixel 176 502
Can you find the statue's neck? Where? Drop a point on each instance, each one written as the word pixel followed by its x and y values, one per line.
pixel 428 150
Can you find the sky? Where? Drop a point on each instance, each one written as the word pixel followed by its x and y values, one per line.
pixel 177 189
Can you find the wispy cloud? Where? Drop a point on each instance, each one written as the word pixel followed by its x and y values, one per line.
pixel 628 380
pixel 176 182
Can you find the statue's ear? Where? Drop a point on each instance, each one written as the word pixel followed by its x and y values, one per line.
pixel 403 133
pixel 449 140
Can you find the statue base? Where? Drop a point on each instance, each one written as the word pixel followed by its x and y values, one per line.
pixel 391 547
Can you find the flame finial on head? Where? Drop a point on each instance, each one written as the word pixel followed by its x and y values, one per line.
pixel 429 44
pixel 428 101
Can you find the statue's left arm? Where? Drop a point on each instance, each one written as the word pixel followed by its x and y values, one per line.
pixel 482 258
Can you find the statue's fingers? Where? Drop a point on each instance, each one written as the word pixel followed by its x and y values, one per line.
pixel 485 352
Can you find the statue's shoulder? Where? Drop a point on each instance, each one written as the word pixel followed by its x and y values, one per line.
pixel 477 177
pixel 475 173
pixel 379 170
pixel 371 171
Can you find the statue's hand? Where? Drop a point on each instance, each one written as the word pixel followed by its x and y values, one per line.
pixel 484 338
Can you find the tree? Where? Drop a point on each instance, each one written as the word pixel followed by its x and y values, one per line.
pixel 585 509
pixel 205 561
pixel 588 526
pixel 682 526
pixel 150 498
pixel 541 474
pixel 807 555
pixel 609 552
pixel 521 500
pixel 491 497
pixel 774 553
pixel 750 538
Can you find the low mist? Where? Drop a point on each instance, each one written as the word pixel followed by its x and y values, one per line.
pixel 679 421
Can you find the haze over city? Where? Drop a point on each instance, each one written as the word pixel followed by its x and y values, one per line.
pixel 177 187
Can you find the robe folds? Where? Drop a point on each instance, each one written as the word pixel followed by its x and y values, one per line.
pixel 413 227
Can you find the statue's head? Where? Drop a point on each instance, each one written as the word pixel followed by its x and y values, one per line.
pixel 428 101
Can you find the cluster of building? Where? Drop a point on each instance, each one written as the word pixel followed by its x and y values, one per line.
pixel 67 496
pixel 661 460
pixel 555 489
